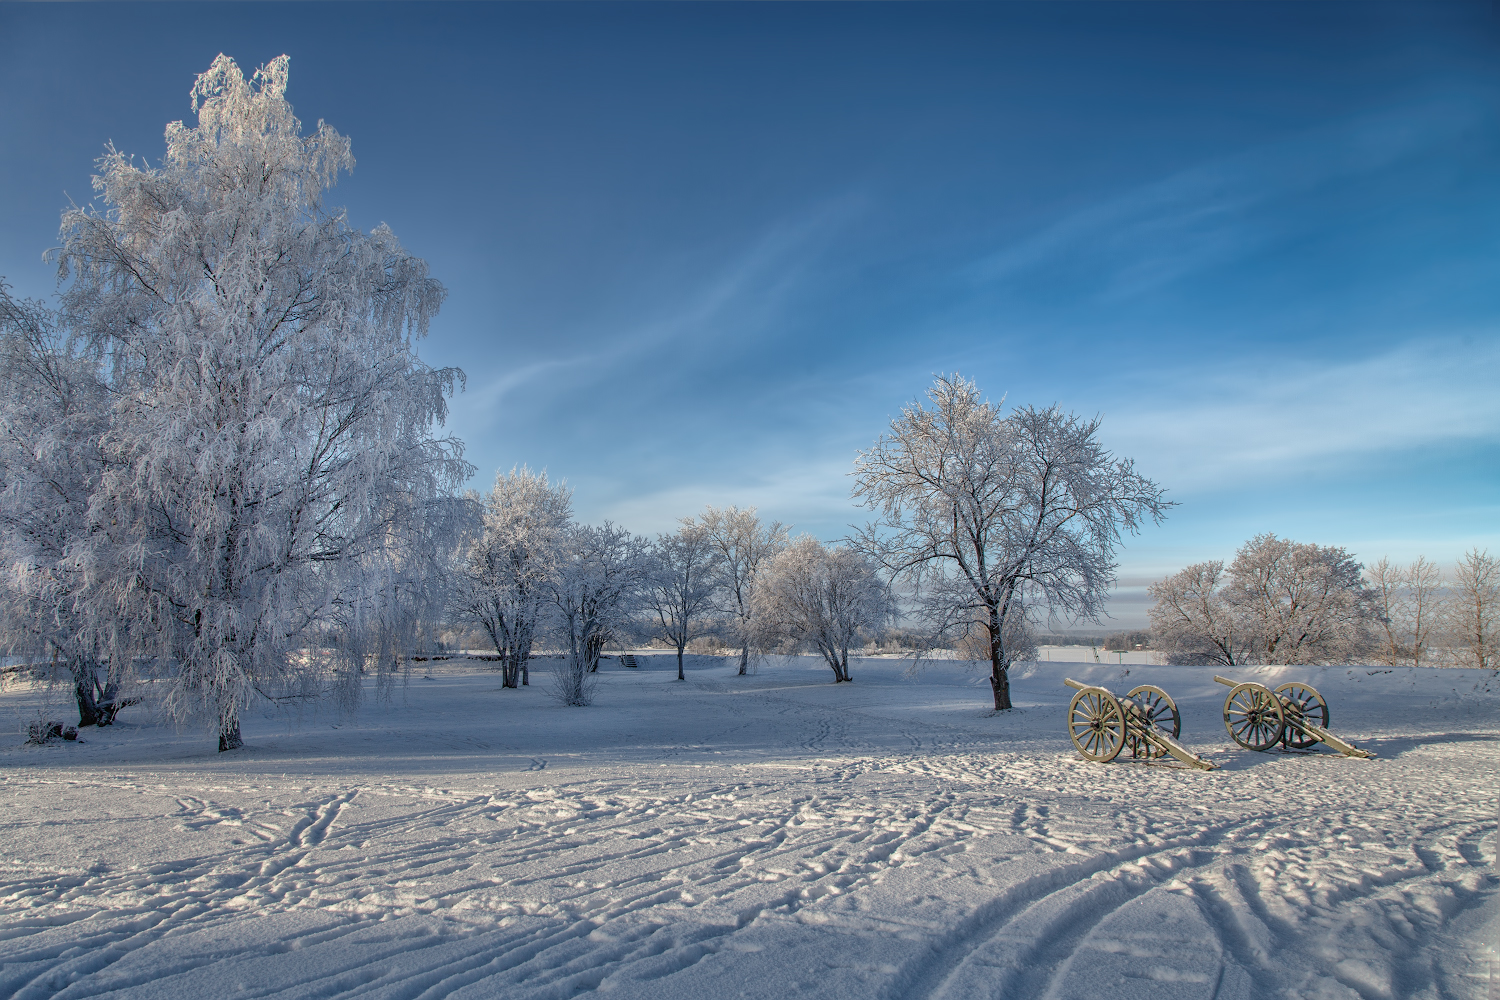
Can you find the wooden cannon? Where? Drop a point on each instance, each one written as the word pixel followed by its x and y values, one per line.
pixel 1294 715
pixel 1145 720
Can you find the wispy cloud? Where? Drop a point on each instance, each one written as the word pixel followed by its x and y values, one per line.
pixel 741 294
pixel 811 494
pixel 1215 212
pixel 1223 430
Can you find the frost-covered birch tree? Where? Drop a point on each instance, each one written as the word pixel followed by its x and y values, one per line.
pixel 745 547
pixel 980 514
pixel 681 586
pixel 829 599
pixel 270 472
pixel 596 591
pixel 504 582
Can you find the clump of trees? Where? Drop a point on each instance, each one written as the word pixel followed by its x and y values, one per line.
pixel 1124 641
pixel 504 581
pixel 1427 619
pixel 829 599
pixel 530 573
pixel 1281 601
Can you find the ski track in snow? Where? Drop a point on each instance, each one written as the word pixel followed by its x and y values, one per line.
pixel 850 852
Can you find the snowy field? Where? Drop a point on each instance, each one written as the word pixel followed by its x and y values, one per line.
pixel 764 836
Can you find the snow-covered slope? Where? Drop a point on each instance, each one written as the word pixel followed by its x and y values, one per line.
pixel 759 837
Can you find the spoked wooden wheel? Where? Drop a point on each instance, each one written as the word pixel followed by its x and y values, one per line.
pixel 1097 724
pixel 1160 710
pixel 1304 702
pixel 1253 716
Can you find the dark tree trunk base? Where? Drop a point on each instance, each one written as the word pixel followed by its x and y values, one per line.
pixel 1000 683
pixel 229 737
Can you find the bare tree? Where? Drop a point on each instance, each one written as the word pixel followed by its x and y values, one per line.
pixel 1192 622
pixel 1472 615
pixel 681 588
pixel 975 509
pixel 828 599
pixel 504 584
pixel 745 546
pixel 270 472
pixel 595 591
pixel 1408 601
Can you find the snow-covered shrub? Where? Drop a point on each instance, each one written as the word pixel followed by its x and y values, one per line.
pixel 572 682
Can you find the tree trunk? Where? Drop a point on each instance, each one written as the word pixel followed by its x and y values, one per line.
pixel 229 731
pixel 999 669
pixel 680 675
pixel 744 659
pixel 1000 682
pixel 525 673
pixel 83 690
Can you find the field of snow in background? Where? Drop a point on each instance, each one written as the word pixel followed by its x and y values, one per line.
pixel 759 837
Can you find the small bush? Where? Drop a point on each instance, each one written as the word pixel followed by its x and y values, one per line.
pixel 44 731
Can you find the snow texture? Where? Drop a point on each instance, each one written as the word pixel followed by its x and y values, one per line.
pixel 760 836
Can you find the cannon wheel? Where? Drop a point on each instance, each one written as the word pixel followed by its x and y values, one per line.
pixel 1097 724
pixel 1305 701
pixel 1161 710
pixel 1253 716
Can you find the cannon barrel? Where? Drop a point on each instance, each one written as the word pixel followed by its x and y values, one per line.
pixel 1074 684
pixel 1226 681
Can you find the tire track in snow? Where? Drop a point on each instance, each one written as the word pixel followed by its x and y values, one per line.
pixel 1028 941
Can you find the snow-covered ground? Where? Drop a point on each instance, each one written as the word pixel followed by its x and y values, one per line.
pixel 760 837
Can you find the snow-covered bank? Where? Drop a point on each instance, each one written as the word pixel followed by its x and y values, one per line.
pixel 757 836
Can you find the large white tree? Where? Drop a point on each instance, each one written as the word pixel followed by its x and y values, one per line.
pixel 271 473
pixel 504 581
pixel 745 547
pixel 981 515
pixel 681 587
pixel 829 599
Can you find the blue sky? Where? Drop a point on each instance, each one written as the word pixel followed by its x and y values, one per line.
pixel 703 253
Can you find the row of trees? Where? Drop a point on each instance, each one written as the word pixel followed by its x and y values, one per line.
pixel 219 467
pixel 1281 601
pixel 985 525
pixel 529 572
